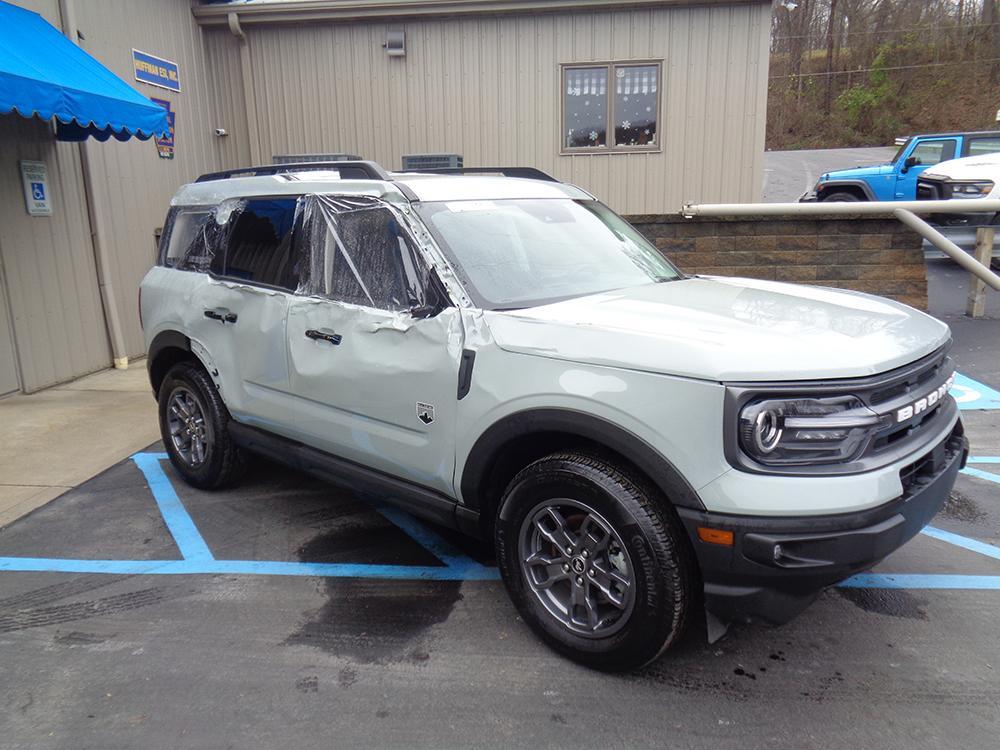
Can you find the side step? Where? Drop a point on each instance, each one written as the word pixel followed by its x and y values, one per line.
pixel 422 502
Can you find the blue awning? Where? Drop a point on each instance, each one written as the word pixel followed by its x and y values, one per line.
pixel 43 74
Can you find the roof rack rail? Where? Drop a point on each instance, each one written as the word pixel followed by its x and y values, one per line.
pixel 529 173
pixel 351 170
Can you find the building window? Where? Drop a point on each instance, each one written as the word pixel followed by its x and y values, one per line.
pixel 611 107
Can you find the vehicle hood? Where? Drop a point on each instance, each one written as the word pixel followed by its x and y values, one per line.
pixel 856 173
pixel 726 329
pixel 984 167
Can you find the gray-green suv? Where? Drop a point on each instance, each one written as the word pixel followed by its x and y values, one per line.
pixel 507 356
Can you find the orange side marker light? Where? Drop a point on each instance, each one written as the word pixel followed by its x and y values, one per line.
pixel 715 536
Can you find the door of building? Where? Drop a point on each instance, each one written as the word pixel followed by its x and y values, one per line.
pixel 8 367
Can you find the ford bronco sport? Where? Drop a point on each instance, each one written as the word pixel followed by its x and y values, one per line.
pixel 507 356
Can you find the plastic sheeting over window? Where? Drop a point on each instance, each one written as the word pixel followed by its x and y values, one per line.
pixel 360 253
pixel 352 249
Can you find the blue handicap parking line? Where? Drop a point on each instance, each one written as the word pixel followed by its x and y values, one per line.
pixel 971 394
pixel 920 581
pixel 197 558
pixel 474 572
pixel 182 529
pixel 989 476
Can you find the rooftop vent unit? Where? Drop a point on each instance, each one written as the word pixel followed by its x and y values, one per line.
pixel 416 162
pixel 312 158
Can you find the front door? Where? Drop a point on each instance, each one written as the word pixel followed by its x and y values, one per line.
pixel 925 154
pixel 373 368
pixel 8 367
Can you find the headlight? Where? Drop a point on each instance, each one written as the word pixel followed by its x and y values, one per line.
pixel 978 189
pixel 786 432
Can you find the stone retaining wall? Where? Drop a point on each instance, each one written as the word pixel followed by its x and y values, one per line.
pixel 880 256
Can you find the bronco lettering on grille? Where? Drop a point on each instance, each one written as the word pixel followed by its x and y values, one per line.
pixel 926 402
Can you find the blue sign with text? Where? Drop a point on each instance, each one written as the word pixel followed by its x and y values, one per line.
pixel 156 71
pixel 165 145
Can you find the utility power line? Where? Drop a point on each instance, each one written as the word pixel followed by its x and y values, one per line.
pixel 822 34
pixel 868 70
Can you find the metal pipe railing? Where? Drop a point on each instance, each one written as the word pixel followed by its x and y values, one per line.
pixel 904 211
pixel 859 208
pixel 948 247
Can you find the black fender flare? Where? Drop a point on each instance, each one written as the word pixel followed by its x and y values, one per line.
pixel 653 464
pixel 163 340
pixel 860 184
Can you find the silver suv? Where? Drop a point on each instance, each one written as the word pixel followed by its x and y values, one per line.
pixel 507 356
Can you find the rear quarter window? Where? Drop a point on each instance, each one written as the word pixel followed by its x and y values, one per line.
pixel 191 239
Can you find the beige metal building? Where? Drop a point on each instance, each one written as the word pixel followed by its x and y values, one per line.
pixel 646 103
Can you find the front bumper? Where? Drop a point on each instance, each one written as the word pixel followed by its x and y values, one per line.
pixel 777 566
pixel 808 197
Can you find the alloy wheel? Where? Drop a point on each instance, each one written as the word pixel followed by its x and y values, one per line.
pixel 577 566
pixel 190 432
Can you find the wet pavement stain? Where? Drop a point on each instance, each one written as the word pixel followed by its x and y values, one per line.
pixel 347 677
pixel 961 507
pixel 308 684
pixel 364 541
pixel 374 621
pixel 894 603
pixel 79 638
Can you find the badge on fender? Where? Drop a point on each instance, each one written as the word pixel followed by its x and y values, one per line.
pixel 425 413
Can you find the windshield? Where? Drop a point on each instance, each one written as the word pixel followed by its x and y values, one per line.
pixel 521 253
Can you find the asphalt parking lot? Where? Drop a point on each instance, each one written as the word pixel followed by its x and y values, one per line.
pixel 137 611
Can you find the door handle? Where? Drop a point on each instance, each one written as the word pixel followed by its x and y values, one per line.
pixel 333 338
pixel 222 315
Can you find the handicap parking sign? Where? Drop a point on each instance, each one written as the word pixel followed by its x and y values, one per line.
pixel 35 177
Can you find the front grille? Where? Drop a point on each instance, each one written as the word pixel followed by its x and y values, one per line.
pixel 925 469
pixel 927 191
pixel 908 384
pixel 911 381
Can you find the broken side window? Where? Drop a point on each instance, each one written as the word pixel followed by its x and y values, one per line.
pixel 259 244
pixel 196 235
pixel 361 254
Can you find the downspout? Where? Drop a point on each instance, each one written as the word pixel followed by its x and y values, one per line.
pixel 249 95
pixel 98 231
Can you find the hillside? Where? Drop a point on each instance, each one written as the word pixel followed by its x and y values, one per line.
pixel 864 72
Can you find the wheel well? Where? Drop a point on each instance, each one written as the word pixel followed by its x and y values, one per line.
pixel 852 189
pixel 519 452
pixel 161 362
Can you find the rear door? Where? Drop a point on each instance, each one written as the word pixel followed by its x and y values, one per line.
pixel 926 153
pixel 237 307
pixel 372 381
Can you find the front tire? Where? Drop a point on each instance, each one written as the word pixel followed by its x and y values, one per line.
pixel 595 561
pixel 841 196
pixel 194 424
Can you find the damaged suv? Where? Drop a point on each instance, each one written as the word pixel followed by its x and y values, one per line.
pixel 508 357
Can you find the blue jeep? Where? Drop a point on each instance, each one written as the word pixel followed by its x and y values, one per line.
pixel 897 180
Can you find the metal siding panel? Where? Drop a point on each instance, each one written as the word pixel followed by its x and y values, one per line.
pixel 488 87
pixel 137 185
pixel 222 55
pixel 48 262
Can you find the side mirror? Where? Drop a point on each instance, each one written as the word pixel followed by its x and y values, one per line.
pixel 424 311
pixel 911 161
